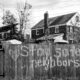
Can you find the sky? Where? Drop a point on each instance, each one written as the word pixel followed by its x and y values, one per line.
pixel 39 7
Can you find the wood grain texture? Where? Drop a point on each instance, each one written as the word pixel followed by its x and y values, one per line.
pixel 40 62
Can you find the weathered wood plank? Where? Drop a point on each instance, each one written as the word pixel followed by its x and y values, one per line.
pixel 41 62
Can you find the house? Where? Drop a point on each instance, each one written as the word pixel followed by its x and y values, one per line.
pixel 67 25
pixel 6 33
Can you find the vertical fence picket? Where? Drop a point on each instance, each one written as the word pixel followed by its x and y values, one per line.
pixel 7 62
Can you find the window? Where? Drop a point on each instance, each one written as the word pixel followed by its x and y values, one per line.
pixel 57 29
pixel 43 30
pixel 1 46
pixel 71 29
pixel 5 35
pixel 70 41
pixel 52 30
pixel 0 35
pixel 47 31
pixel 37 32
pixel 77 18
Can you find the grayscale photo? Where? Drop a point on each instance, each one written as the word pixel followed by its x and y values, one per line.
pixel 39 39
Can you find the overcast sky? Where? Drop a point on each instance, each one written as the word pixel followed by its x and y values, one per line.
pixel 39 7
pixel 54 8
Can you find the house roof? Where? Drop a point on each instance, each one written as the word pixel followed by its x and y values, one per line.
pixel 55 20
pixel 7 27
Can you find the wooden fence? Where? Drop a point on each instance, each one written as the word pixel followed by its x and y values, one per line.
pixel 40 62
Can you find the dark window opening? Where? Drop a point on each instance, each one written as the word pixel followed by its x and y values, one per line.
pixel 37 32
pixel 52 30
pixel 5 35
pixel 1 47
pixel 0 36
pixel 70 41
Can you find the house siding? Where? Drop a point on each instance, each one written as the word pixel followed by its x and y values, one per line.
pixel 62 29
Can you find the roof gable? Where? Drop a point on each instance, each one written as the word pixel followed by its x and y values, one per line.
pixel 55 20
pixel 7 27
pixel 75 20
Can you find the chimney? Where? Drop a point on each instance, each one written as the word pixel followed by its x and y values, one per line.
pixel 45 21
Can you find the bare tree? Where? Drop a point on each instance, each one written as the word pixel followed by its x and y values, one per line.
pixel 9 19
pixel 24 12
